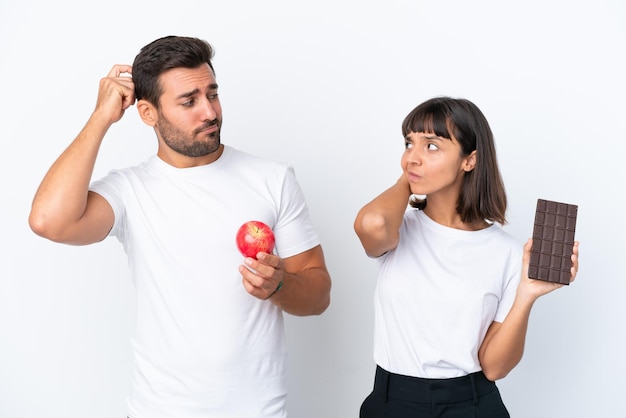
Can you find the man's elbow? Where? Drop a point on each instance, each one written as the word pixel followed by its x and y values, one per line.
pixel 61 232
pixel 324 300
pixel 40 225
pixel 321 308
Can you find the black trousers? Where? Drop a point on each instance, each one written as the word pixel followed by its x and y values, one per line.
pixel 398 396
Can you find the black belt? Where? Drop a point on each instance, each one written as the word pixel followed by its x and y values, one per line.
pixel 433 391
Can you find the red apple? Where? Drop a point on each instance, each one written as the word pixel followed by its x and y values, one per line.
pixel 253 237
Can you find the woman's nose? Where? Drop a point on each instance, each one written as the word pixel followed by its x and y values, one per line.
pixel 414 157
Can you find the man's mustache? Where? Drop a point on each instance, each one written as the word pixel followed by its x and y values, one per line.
pixel 207 125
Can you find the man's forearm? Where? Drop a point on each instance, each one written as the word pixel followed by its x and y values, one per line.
pixel 304 293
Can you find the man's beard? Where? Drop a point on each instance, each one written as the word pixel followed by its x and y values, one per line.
pixel 186 145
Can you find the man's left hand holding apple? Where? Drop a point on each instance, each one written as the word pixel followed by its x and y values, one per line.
pixel 303 281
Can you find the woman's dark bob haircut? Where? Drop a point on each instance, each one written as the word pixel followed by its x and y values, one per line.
pixel 482 195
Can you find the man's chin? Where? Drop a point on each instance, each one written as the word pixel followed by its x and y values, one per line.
pixel 214 148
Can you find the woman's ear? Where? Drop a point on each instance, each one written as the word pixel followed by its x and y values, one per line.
pixel 470 162
pixel 147 112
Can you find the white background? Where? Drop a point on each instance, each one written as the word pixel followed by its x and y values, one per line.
pixel 323 85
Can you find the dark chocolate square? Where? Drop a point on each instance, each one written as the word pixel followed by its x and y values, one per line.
pixel 553 241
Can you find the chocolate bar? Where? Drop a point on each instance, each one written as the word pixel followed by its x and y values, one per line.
pixel 553 241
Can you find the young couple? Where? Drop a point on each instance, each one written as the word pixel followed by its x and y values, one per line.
pixel 453 296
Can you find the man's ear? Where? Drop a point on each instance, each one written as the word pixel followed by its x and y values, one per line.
pixel 470 162
pixel 147 112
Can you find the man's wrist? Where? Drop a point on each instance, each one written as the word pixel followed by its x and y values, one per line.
pixel 280 285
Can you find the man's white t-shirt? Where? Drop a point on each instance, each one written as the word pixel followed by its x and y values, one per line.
pixel 438 292
pixel 204 347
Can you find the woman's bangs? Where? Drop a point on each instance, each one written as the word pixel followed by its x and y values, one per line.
pixel 427 121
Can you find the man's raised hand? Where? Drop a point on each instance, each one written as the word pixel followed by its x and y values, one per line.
pixel 116 93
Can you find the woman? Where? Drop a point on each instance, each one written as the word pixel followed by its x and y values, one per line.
pixel 453 297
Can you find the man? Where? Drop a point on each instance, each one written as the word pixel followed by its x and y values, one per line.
pixel 209 340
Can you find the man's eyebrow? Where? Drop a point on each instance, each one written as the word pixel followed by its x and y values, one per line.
pixel 188 94
pixel 194 92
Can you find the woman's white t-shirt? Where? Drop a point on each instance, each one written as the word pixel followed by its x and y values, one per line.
pixel 438 292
